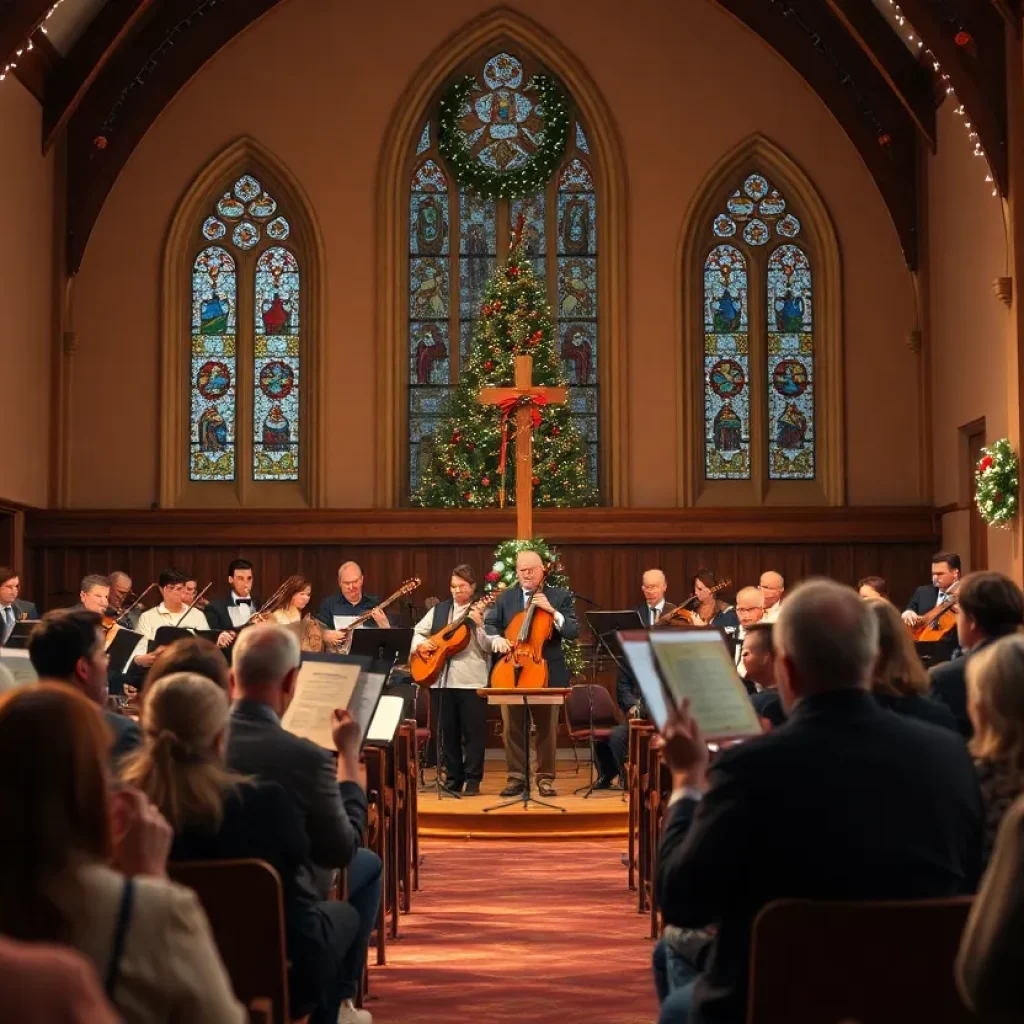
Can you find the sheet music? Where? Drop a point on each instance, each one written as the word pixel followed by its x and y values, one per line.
pixel 17 662
pixel 344 621
pixel 387 719
pixel 641 661
pixel 696 665
pixel 365 701
pixel 321 687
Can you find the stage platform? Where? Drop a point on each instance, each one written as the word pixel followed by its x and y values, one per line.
pixel 602 815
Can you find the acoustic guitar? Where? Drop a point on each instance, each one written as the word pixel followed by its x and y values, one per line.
pixel 426 667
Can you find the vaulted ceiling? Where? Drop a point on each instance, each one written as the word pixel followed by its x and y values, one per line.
pixel 103 71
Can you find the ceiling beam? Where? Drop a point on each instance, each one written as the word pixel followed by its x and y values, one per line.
pixel 909 81
pixel 36 65
pixel 113 24
pixel 18 20
pixel 976 68
pixel 818 47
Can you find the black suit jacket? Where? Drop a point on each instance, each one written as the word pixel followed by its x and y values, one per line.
pixel 845 801
pixel 510 603
pixel 127 735
pixel 949 685
pixel 25 609
pixel 334 813
pixel 217 616
pixel 924 600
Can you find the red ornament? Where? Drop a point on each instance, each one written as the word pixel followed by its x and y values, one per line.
pixel 962 38
pixel 468 495
pixel 485 481
pixel 536 480
pixel 456 437
pixel 493 577
pixel 513 271
pixel 496 306
pixel 488 365
pixel 885 140
pixel 485 309
pixel 985 465
pixel 453 472
pixel 100 142
pixel 555 431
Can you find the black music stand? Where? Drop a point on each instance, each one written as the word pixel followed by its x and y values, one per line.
pixel 20 634
pixel 385 648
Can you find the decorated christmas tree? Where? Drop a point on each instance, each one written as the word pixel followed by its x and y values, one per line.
pixel 472 461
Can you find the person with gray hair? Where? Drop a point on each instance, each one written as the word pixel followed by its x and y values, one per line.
pixel 845 801
pixel 264 671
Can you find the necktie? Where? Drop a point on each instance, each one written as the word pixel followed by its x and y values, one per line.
pixel 8 621
pixel 526 597
pixel 654 615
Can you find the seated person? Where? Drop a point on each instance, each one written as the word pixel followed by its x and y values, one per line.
pixel 758 656
pixel 95 863
pixel 191 654
pixel 873 587
pixel 218 814
pixel 805 799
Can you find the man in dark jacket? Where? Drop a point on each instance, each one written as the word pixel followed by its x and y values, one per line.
pixel 845 801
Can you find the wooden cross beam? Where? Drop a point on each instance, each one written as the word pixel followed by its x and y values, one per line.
pixel 522 389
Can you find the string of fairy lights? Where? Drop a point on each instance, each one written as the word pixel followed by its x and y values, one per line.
pixel 962 38
pixel 9 67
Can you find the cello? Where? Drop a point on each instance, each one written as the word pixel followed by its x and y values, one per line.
pixel 426 667
pixel 523 666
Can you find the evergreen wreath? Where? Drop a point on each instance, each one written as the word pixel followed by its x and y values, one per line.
pixel 503 574
pixel 472 174
pixel 997 482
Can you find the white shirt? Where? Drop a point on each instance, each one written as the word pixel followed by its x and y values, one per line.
pixel 239 614
pixel 657 609
pixel 152 619
pixel 738 653
pixel 468 669
pixel 771 614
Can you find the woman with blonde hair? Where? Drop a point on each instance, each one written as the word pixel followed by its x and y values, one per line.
pixel 995 704
pixel 85 866
pixel 218 814
pixel 899 681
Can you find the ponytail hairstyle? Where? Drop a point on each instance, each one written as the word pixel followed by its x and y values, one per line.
pixel 180 765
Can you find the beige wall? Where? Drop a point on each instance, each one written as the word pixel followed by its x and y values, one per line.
pixel 26 274
pixel 969 326
pixel 338 72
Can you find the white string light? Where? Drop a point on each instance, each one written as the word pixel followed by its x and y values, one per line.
pixel 28 44
pixel 959 109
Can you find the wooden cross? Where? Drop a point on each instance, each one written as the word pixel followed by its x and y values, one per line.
pixel 523 436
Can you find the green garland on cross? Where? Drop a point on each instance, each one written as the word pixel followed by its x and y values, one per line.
pixel 503 574
pixel 535 174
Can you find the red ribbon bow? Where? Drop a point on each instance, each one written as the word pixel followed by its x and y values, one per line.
pixel 508 407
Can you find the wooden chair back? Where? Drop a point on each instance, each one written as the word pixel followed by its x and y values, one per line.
pixel 244 903
pixel 886 962
pixel 577 710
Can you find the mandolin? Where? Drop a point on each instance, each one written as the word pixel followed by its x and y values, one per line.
pixel 682 614
pixel 406 588
pixel 426 667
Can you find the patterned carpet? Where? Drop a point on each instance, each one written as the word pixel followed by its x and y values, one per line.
pixel 531 932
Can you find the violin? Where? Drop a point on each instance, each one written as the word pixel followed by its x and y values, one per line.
pixel 523 666
pixel 682 614
pixel 111 619
pixel 940 620
pixel 426 667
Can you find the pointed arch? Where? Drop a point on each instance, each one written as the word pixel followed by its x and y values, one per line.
pixel 499 27
pixel 759 155
pixel 244 156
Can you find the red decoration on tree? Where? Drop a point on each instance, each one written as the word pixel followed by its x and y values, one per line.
pixel 555 431
pixel 468 495
pixel 496 305
pixel 962 38
pixel 485 309
pixel 493 577
pixel 488 366
pixel 453 472
pixel 486 481
pixel 470 447
pixel 536 481
pixel 986 463
pixel 513 271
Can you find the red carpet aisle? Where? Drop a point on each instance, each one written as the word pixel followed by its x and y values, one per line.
pixel 531 932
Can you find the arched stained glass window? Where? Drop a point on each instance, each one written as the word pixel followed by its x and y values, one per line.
pixel 447 220
pixel 758 364
pixel 245 395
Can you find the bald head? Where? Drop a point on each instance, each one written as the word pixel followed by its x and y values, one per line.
pixel 264 661
pixel 826 638
pixel 529 570
pixel 350 582
pixel 772 586
pixel 653 584
pixel 749 606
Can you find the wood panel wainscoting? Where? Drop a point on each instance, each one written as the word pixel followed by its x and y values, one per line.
pixel 604 550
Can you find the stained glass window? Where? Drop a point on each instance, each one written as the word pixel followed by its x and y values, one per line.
pixel 264 361
pixel 213 366
pixel 760 251
pixel 502 126
pixel 726 366
pixel 275 419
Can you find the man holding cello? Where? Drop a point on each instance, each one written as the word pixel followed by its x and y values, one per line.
pixel 553 618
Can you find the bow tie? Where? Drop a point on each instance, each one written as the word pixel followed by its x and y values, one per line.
pixel 243 600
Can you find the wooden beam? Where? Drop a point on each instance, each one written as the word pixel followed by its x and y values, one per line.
pixel 977 71
pixel 36 65
pixel 818 47
pixel 18 20
pixel 113 24
pixel 135 86
pixel 909 81
pixel 1009 11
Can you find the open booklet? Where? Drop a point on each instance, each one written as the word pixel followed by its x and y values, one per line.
pixel 16 661
pixel 326 682
pixel 691 664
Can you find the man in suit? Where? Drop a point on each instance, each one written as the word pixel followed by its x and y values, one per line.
pixel 991 605
pixel 758 654
pixel 845 802
pixel 12 609
pixel 749 609
pixel 530 576
pixel 232 612
pixel 945 572
pixel 93 595
pixel 329 798
pixel 349 603
pixel 611 753
pixel 67 647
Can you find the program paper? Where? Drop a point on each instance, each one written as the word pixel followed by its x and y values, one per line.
pixel 321 687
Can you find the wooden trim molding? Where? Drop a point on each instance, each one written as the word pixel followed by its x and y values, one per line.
pixel 245 155
pixel 506 27
pixel 193 528
pixel 822 245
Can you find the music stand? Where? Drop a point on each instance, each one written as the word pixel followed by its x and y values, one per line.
pixel 385 648
pixel 20 634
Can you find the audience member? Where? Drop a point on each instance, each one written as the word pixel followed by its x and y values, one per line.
pixel 190 654
pixel 990 965
pixel 873 587
pixel 995 703
pixel 147 937
pixel 844 802
pixel 991 605
pixel 772 587
pixel 899 680
pixel 333 805
pixel 217 814
pixel 67 647
pixel 759 661
pixel 50 984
